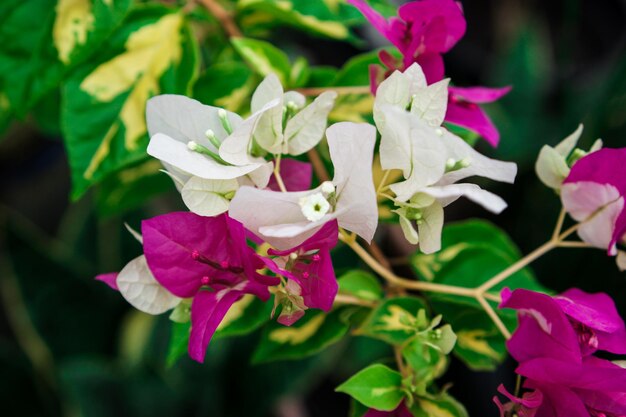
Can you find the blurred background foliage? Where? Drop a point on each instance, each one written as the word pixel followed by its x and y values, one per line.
pixel 71 347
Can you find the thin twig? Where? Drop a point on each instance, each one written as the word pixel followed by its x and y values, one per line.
pixel 494 317
pixel 316 91
pixel 568 244
pixel 279 178
pixel 351 300
pixel 223 16
pixel 318 165
pixel 559 225
pixel 403 282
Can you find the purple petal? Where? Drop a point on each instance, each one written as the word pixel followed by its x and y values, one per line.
pixel 207 312
pixel 109 279
pixel 472 117
pixel 172 243
pixel 558 401
pixel 540 316
pixel 436 24
pixel 600 167
pixel 296 175
pixel 592 374
pixel 431 63
pixel 596 311
pixel 480 94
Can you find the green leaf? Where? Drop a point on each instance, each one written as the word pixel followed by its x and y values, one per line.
pixel 264 58
pixel 361 284
pixel 226 84
pixel 394 321
pixel 376 386
pixel 179 340
pixel 328 18
pixel 442 405
pixel 479 343
pixel 427 362
pixel 245 316
pixel 131 188
pixel 308 336
pixel 103 108
pixel 31 65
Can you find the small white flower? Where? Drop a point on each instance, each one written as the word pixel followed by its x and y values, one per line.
pixel 327 188
pixel 314 206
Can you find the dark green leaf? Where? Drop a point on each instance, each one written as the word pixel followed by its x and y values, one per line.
pixel 394 321
pixel 309 335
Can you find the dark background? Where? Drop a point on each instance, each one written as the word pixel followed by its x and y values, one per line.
pixel 92 355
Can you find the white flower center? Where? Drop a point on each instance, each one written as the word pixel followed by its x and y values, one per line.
pixel 314 206
pixel 327 188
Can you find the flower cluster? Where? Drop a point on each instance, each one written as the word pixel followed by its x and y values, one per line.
pixel 590 190
pixel 555 344
pixel 422 32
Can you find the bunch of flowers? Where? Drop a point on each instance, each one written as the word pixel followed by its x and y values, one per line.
pixel 260 225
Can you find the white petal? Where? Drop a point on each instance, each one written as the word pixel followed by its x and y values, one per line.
pixel 406 135
pixel 410 234
pixel 473 192
pixel 134 233
pixel 206 197
pixel 430 228
pixel 621 260
pixel 567 145
pixel 598 230
pixel 479 164
pixel 138 286
pixel 352 150
pixel 416 77
pixel 430 103
pixel 185 119
pixel 296 98
pixel 263 208
pixel 551 167
pixel 269 89
pixel 235 149
pixel 597 145
pixel 306 128
pixel 395 91
pixel 177 154
pixel 260 177
pixel 269 130
pixel 582 199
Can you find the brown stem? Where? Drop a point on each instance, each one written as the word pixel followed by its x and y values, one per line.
pixel 351 300
pixel 318 165
pixel 316 91
pixel 223 16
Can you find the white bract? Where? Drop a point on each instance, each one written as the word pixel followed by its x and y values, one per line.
pixel 139 287
pixel 286 219
pixel 553 164
pixel 290 127
pixel 409 90
pixel 408 114
pixel 596 206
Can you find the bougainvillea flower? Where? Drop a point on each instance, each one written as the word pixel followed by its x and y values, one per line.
pixel 296 175
pixel 554 344
pixel 206 258
pixel 432 160
pixel 554 163
pixel 595 387
pixel 285 220
pixel 290 127
pixel 310 266
pixel 594 194
pixel 422 31
pixel 579 322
